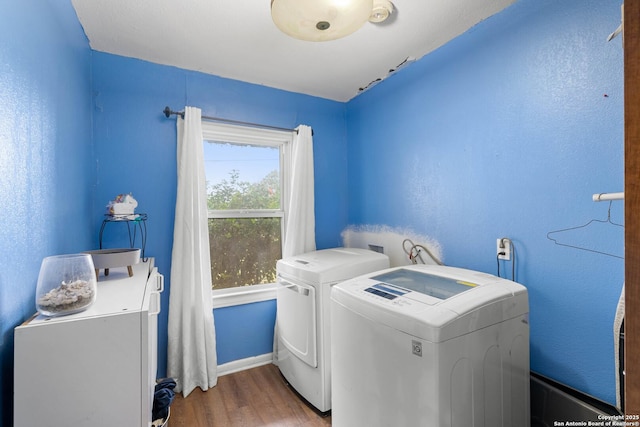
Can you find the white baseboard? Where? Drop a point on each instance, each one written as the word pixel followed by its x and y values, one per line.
pixel 243 364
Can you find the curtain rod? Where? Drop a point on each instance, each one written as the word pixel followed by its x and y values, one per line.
pixel 168 112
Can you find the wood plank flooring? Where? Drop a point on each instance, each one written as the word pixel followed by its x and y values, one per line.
pixel 252 398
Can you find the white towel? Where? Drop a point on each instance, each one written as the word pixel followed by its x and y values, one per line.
pixel 617 325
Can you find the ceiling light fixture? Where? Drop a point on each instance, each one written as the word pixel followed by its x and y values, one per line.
pixel 320 20
pixel 381 11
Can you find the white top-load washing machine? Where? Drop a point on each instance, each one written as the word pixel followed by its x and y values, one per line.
pixel 304 334
pixel 428 345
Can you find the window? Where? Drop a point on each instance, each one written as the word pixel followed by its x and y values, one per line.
pixel 244 168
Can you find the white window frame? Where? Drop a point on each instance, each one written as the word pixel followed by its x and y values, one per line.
pixel 213 131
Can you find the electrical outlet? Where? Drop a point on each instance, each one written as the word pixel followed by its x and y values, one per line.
pixel 503 248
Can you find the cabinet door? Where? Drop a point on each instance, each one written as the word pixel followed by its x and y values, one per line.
pixel 79 373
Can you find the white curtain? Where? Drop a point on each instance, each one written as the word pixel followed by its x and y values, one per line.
pixel 191 358
pixel 300 227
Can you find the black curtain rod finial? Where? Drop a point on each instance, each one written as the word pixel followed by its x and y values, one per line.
pixel 167 112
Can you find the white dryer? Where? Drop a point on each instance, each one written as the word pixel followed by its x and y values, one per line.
pixel 303 299
pixel 429 345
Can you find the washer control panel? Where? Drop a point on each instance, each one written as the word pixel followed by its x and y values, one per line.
pixel 385 291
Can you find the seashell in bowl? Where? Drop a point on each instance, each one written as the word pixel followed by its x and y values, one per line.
pixel 104 259
pixel 66 284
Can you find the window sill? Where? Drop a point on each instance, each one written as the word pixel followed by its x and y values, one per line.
pixel 243 295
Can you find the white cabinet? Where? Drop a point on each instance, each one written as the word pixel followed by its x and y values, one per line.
pixel 94 368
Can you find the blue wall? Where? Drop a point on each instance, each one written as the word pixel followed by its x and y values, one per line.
pixel 135 148
pixel 507 131
pixel 244 331
pixel 46 156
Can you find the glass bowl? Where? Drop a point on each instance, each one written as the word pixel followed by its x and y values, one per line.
pixel 66 284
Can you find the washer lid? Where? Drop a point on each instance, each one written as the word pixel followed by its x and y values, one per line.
pixel 332 265
pixel 439 287
pixel 435 303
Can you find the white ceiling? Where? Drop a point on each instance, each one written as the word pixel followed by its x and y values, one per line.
pixel 237 39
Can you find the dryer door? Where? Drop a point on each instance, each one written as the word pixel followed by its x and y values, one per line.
pixel 297 319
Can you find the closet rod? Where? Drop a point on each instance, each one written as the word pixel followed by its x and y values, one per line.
pixel 168 112
pixel 601 197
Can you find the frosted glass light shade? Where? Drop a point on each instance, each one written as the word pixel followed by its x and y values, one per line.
pixel 320 20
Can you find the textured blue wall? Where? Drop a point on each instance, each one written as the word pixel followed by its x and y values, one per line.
pixel 136 153
pixel 506 131
pixel 244 331
pixel 46 157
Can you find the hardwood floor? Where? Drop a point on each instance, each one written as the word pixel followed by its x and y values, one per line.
pixel 252 398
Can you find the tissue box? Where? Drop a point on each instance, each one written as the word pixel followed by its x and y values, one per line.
pixel 123 204
pixel 122 209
